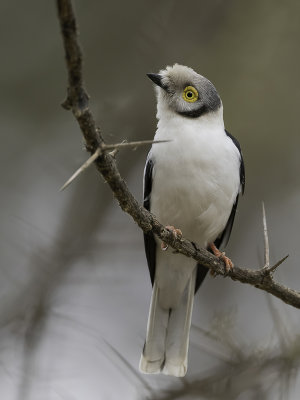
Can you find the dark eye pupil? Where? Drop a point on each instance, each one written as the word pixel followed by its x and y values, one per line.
pixel 189 94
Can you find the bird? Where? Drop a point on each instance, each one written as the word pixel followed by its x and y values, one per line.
pixel 192 184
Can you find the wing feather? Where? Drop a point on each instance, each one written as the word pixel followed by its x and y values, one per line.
pixel 149 240
pixel 223 238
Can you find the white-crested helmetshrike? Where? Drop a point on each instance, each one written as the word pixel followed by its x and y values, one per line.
pixel 191 183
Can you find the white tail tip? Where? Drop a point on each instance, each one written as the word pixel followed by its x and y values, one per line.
pixel 150 367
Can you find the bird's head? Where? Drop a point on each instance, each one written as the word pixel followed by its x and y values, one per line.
pixel 181 90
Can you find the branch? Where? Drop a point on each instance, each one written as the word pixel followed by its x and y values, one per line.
pixel 78 101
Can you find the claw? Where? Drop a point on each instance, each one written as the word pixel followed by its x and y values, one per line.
pixel 164 246
pixel 177 233
pixel 228 263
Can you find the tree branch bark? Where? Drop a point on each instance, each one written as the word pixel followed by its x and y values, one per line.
pixel 78 101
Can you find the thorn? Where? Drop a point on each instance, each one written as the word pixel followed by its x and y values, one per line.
pixel 67 103
pixel 113 153
pixel 115 150
pixel 266 238
pixel 267 269
pixel 84 166
pixel 274 267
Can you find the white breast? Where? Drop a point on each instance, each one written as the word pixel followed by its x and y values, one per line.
pixel 195 176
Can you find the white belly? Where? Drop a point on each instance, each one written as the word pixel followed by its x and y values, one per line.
pixel 195 183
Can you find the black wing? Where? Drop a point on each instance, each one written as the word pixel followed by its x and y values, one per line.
pixel 242 165
pixel 222 240
pixel 149 241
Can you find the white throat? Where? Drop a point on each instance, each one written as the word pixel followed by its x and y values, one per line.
pixel 166 115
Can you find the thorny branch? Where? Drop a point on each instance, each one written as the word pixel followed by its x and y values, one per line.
pixel 78 101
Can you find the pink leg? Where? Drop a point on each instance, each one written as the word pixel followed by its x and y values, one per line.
pixel 228 263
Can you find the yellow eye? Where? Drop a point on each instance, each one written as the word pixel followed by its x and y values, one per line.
pixel 190 94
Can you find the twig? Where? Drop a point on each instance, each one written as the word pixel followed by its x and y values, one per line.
pixel 77 100
pixel 132 144
pixel 105 147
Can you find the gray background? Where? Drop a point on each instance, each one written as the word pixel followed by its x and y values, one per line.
pixel 74 288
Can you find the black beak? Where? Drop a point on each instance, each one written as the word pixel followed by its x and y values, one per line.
pixel 157 79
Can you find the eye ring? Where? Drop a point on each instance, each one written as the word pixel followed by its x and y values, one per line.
pixel 190 94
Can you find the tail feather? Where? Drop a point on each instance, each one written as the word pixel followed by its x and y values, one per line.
pixel 167 339
pixel 177 341
pixel 153 356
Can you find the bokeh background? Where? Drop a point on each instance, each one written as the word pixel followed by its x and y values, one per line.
pixel 74 287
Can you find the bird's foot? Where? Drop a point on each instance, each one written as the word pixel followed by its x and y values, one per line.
pixel 228 263
pixel 176 232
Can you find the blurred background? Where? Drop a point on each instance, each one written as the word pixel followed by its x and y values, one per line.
pixel 74 288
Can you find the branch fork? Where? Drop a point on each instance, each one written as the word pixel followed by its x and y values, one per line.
pixel 104 148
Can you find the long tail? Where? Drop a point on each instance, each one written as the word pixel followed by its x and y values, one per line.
pixel 167 339
pixel 153 355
